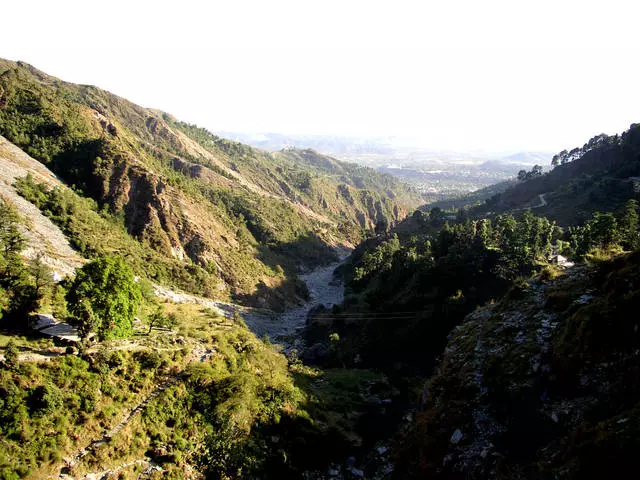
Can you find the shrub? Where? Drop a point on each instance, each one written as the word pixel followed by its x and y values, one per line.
pixel 549 272
pixel 148 359
pixel 11 355
pixel 47 399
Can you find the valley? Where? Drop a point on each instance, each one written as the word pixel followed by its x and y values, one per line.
pixel 243 312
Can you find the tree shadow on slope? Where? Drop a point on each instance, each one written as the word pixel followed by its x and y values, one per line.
pixel 305 252
pixel 287 260
pixel 76 164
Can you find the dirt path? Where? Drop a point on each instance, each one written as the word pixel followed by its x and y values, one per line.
pixel 543 202
pixel 198 354
pixel 106 474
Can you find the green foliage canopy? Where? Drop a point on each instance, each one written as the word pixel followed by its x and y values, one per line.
pixel 104 298
pixel 18 295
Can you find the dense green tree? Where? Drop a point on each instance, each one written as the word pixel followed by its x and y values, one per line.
pixel 536 171
pixel 20 297
pixel 378 260
pixel 11 239
pixel 42 278
pixel 597 141
pixel 104 297
pixel 436 217
pixel 605 229
pixel 158 319
pixel 580 239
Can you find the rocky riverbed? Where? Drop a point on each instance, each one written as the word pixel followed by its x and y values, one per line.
pixel 284 328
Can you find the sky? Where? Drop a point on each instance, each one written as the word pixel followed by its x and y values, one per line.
pixel 456 75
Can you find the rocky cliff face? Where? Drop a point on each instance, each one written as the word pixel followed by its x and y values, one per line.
pixel 540 385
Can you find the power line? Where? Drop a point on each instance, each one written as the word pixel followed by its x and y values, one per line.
pixel 340 315
pixel 368 314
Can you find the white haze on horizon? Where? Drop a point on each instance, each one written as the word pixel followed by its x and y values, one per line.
pixel 457 75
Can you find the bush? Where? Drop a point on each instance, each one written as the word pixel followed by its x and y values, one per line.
pixel 11 355
pixel 549 272
pixel 46 399
pixel 148 359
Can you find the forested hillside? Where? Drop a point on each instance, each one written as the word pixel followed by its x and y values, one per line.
pixel 523 324
pixel 594 177
pixel 236 217
pixel 543 384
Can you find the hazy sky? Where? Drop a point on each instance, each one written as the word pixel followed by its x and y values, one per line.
pixel 461 75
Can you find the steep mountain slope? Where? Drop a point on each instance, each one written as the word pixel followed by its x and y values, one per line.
pixel 543 384
pixel 231 212
pixel 44 238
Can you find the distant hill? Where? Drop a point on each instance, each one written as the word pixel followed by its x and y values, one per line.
pixel 331 144
pixel 528 158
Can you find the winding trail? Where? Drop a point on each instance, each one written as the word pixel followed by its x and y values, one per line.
pixel 543 202
pixel 198 354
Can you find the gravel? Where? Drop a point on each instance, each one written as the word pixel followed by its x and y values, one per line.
pixel 284 328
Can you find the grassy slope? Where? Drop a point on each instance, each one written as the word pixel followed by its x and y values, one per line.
pixel 223 413
pixel 62 405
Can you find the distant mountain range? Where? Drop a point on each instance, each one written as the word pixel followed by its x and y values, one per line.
pixel 436 174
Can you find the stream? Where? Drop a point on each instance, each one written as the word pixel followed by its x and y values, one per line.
pixel 284 328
